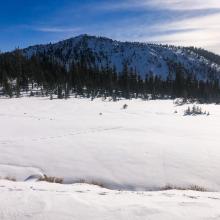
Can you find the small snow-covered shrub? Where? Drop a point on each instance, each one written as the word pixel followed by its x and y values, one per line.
pixel 180 101
pixel 51 179
pixel 195 110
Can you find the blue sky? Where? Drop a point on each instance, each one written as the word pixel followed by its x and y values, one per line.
pixel 179 22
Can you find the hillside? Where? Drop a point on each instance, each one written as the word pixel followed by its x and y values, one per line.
pixel 142 58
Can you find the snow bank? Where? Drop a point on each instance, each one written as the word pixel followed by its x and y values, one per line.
pixel 21 201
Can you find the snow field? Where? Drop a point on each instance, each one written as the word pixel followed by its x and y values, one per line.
pixel 145 147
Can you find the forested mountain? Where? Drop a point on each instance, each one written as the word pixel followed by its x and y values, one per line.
pixel 100 67
pixel 141 58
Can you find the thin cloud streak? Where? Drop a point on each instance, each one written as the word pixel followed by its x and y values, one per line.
pixel 160 4
pixel 56 29
pixel 184 4
pixel 47 29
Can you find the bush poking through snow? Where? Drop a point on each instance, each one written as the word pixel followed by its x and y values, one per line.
pixel 192 188
pixel 198 188
pixel 12 179
pixel 92 182
pixel 125 106
pixel 51 179
pixel 196 110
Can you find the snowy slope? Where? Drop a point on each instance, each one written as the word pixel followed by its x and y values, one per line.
pixel 144 147
pixel 142 58
pixel 21 201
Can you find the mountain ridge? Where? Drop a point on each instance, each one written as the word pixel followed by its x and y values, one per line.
pixel 143 58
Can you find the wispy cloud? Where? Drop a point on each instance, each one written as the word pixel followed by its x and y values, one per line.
pixel 180 22
pixel 48 28
pixel 57 29
pixel 160 4
pixel 205 32
pixel 183 4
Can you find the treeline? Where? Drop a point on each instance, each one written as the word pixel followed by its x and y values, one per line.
pixel 44 76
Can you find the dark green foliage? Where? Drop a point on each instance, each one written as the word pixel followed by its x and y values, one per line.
pixel 84 78
pixel 195 110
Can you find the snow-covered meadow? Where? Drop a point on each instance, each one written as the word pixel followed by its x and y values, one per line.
pixel 148 146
